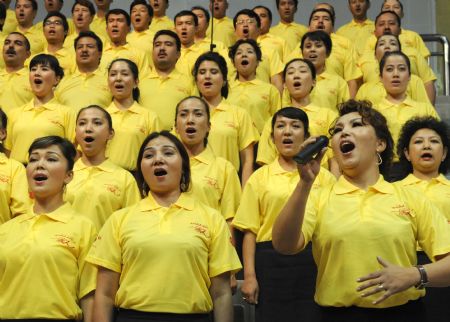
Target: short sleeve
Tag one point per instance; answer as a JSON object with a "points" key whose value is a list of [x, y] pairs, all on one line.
{"points": [[276, 66], [20, 201], [132, 195], [86, 271], [70, 123], [231, 194], [275, 100], [266, 148], [248, 133]]}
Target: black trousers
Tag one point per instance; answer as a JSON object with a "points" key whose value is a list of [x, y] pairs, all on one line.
{"points": [[286, 285], [124, 315]]}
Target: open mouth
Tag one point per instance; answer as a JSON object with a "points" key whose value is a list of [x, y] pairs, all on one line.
{"points": [[297, 84], [347, 147], [191, 130], [245, 31], [119, 86], [40, 177], [287, 141], [426, 156], [89, 139], [395, 82], [207, 84], [38, 81], [160, 172], [137, 19], [245, 62]]}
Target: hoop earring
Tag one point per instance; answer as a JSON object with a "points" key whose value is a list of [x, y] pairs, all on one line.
{"points": [[144, 189], [183, 184], [380, 160]]}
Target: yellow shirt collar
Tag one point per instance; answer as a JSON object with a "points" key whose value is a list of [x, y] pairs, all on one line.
{"points": [[343, 186], [366, 22], [412, 179], [62, 214], [175, 74], [20, 72], [275, 168], [3, 158], [149, 203], [50, 105], [109, 46], [112, 108], [106, 166], [206, 156]]}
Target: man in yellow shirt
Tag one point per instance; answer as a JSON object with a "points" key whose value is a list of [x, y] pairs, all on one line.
{"points": [[267, 39], [287, 29], [141, 14], [118, 24], [165, 86], [223, 26], [56, 5], [201, 38], [360, 28], [87, 85], [14, 80], [26, 11], [10, 23], [99, 22], [160, 20]]}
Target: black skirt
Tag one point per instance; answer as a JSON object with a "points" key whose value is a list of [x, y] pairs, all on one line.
{"points": [[286, 285], [124, 315]]}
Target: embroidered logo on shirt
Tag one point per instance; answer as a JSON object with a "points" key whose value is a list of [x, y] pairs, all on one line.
{"points": [[113, 188], [64, 240], [401, 210], [202, 229], [230, 124], [211, 182], [4, 179], [56, 122]]}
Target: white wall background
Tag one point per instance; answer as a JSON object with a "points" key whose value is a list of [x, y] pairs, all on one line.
{"points": [[419, 14]]}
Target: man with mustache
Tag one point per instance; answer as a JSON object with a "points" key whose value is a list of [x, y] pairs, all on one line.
{"points": [[165, 86], [14, 81], [87, 85]]}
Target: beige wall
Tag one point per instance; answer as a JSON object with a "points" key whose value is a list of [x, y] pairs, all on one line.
{"points": [[442, 17]]}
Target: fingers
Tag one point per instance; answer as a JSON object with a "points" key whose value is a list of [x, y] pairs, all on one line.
{"points": [[383, 262], [251, 298], [371, 276], [371, 283], [373, 290], [382, 298]]}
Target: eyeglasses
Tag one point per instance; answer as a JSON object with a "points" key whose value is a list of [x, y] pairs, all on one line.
{"points": [[249, 21], [55, 23]]}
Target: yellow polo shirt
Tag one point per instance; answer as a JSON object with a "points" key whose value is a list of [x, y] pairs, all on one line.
{"points": [[232, 130], [35, 36], [350, 227], [146, 241], [98, 25], [14, 199], [357, 33], [320, 120], [42, 265], [97, 191], [131, 127], [189, 56], [10, 22], [2, 41], [276, 43], [140, 58], [437, 190], [27, 123], [266, 193], [292, 33], [260, 99], [161, 95], [160, 23], [397, 114], [215, 182], [16, 90], [142, 40], [66, 58], [80, 90], [223, 31], [375, 91]]}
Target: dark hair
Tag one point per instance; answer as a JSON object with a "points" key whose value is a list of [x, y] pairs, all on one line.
{"points": [[85, 3], [144, 3], [134, 70], [89, 34], [306, 61], [295, 3], [25, 39], [183, 13], [397, 17], [34, 4], [367, 1], [396, 37], [204, 104], [221, 63], [3, 125], [249, 13], [399, 2], [185, 164], [294, 114], [332, 17], [170, 33], [50, 61], [59, 15], [374, 118], [67, 148], [205, 12], [101, 109], [410, 128], [2, 11], [269, 12], [330, 8], [233, 49], [394, 53], [318, 35], [118, 11]]}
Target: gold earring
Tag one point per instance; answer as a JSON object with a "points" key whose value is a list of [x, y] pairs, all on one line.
{"points": [[380, 160]]}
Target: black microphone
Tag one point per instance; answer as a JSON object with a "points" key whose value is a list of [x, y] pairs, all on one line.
{"points": [[306, 155]]}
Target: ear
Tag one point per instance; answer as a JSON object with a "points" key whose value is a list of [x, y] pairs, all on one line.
{"points": [[111, 134], [405, 151], [381, 145], [69, 177], [444, 155], [2, 134]]}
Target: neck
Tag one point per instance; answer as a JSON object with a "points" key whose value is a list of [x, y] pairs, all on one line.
{"points": [[164, 72], [39, 101], [364, 178], [396, 98], [166, 199], [48, 204], [25, 26], [188, 45], [101, 13], [124, 103], [118, 42], [213, 101], [78, 30], [159, 14], [53, 48], [87, 69], [287, 163], [247, 78], [200, 35], [360, 19], [93, 160], [195, 149], [320, 69], [287, 21], [12, 69], [427, 176], [300, 101]]}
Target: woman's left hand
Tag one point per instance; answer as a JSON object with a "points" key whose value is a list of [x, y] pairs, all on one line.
{"points": [[391, 279]]}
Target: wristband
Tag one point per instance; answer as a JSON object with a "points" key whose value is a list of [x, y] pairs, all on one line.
{"points": [[423, 277]]}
